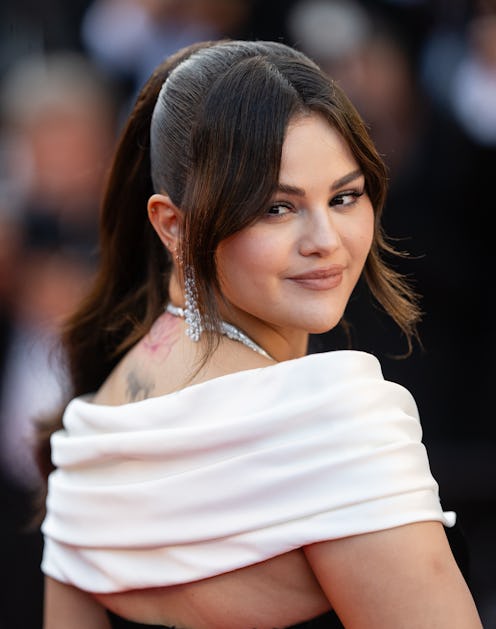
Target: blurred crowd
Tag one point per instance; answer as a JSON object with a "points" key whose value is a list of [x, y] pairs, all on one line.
{"points": [[422, 74]]}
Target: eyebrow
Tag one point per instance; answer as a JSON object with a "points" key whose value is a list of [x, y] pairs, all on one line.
{"points": [[299, 192]]}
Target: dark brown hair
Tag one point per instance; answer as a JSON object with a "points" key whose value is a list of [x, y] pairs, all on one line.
{"points": [[208, 129]]}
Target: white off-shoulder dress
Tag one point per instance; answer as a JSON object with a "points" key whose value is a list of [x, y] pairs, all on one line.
{"points": [[233, 471]]}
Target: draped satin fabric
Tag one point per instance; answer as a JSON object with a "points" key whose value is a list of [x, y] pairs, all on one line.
{"points": [[233, 471]]}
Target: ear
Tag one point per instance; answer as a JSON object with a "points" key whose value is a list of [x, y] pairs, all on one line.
{"points": [[166, 219]]}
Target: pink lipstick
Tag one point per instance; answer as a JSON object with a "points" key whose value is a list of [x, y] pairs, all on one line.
{"points": [[320, 279]]}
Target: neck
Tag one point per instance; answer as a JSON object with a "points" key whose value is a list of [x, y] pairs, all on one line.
{"points": [[282, 343], [227, 329]]}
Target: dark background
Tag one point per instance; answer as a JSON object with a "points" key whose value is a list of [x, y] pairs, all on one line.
{"points": [[440, 209]]}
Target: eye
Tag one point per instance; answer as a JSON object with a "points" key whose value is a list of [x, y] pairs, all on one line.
{"points": [[346, 198], [278, 209]]}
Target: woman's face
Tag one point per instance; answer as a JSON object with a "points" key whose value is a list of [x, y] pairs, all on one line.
{"points": [[293, 271]]}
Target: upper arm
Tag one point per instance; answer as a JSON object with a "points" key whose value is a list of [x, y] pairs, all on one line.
{"points": [[66, 606], [401, 577]]}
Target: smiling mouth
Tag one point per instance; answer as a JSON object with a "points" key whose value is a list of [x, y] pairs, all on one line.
{"points": [[320, 280]]}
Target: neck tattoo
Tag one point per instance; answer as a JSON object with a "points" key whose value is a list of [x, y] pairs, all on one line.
{"points": [[227, 329]]}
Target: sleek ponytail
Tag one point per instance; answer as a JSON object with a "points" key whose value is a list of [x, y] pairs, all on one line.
{"points": [[131, 285]]}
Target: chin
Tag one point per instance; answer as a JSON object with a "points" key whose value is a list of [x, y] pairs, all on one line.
{"points": [[322, 326], [321, 329], [318, 318]]}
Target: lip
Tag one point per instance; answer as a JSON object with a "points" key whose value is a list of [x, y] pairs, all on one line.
{"points": [[320, 279]]}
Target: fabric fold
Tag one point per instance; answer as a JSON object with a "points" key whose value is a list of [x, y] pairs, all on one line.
{"points": [[232, 471]]}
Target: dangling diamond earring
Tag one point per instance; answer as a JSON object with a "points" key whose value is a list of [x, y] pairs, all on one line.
{"points": [[192, 315]]}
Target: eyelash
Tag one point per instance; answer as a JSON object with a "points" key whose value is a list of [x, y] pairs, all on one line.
{"points": [[355, 194], [351, 193], [279, 205]]}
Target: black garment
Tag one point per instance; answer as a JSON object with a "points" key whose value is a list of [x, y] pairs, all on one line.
{"points": [[328, 620]]}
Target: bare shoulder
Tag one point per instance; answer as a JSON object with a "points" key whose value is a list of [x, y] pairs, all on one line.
{"points": [[405, 576]]}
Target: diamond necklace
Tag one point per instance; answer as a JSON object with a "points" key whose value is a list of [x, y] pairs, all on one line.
{"points": [[227, 329]]}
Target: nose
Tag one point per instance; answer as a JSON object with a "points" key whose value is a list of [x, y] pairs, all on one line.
{"points": [[320, 234]]}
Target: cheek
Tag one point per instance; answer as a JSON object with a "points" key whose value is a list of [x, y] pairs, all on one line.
{"points": [[359, 235], [238, 256], [365, 230], [252, 261], [367, 237]]}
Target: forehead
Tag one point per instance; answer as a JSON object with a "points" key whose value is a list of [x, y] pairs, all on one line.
{"points": [[311, 147]]}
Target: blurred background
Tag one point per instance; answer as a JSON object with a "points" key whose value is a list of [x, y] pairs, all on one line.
{"points": [[422, 74]]}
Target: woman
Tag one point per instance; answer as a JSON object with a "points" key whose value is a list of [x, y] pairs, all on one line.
{"points": [[209, 474]]}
